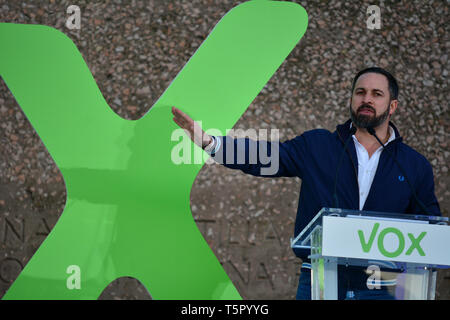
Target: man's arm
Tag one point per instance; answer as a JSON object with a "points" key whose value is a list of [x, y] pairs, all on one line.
{"points": [[258, 158]]}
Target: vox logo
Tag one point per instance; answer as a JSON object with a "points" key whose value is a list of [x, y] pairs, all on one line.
{"points": [[413, 241]]}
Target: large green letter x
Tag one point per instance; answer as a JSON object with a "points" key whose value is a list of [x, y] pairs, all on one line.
{"points": [[128, 211]]}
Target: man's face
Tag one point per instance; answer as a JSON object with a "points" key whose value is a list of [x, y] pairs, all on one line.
{"points": [[370, 105]]}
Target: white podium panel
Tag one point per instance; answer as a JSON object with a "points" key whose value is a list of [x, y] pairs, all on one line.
{"points": [[362, 238], [374, 255]]}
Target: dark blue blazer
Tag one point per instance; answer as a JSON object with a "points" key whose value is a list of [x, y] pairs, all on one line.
{"points": [[314, 156]]}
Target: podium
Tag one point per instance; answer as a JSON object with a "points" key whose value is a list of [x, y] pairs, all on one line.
{"points": [[374, 255]]}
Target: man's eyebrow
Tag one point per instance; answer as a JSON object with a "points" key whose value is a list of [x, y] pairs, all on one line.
{"points": [[378, 90], [361, 88]]}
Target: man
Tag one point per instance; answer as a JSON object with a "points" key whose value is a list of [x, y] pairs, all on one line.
{"points": [[395, 179]]}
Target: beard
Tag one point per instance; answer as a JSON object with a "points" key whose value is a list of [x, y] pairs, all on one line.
{"points": [[366, 121]]}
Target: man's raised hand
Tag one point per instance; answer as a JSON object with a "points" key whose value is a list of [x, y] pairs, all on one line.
{"points": [[192, 129]]}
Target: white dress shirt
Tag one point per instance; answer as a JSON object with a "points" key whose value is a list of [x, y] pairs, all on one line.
{"points": [[213, 146], [367, 167]]}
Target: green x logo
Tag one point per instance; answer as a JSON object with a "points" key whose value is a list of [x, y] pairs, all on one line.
{"points": [[127, 211]]}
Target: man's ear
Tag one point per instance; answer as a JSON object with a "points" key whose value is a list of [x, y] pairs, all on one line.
{"points": [[393, 105]]}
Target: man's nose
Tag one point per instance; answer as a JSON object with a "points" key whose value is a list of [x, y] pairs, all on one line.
{"points": [[367, 99]]}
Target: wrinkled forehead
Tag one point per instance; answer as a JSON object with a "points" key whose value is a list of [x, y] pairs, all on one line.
{"points": [[372, 81]]}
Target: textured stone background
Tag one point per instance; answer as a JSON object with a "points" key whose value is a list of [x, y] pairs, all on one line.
{"points": [[135, 48]]}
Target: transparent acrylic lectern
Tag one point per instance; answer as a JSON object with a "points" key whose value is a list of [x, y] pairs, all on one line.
{"points": [[374, 255]]}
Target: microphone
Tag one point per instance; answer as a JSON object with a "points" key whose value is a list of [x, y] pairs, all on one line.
{"points": [[371, 131], [335, 197]]}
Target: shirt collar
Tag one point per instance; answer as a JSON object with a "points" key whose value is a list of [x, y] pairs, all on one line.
{"points": [[391, 134]]}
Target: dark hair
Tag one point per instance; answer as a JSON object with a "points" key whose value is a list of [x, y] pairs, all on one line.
{"points": [[393, 86]]}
